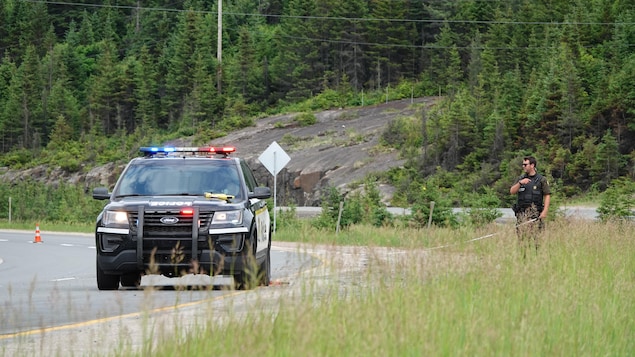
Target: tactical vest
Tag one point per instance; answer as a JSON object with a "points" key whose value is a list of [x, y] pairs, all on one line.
{"points": [[531, 193]]}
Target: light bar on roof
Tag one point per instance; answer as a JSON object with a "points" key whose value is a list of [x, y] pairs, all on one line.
{"points": [[149, 150], [218, 150]]}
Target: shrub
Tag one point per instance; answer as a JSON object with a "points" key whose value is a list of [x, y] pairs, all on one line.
{"points": [[306, 119], [363, 206], [617, 201], [442, 212], [482, 208]]}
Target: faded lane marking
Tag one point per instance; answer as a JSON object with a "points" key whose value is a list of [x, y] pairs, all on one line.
{"points": [[111, 318]]}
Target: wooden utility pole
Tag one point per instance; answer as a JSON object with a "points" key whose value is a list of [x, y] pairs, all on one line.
{"points": [[219, 55]]}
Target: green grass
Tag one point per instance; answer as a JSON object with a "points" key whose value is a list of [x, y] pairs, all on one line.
{"points": [[573, 298], [77, 227]]}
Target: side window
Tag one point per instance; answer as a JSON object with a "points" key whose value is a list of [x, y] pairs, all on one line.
{"points": [[249, 176]]}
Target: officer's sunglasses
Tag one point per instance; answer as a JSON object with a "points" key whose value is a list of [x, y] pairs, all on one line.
{"points": [[526, 165]]}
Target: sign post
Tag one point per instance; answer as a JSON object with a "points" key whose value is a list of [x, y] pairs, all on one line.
{"points": [[274, 159]]}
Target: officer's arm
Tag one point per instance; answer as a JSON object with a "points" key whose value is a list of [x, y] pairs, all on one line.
{"points": [[545, 210], [515, 187]]}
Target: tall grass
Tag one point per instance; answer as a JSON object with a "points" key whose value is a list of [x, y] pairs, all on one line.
{"points": [[573, 297]]}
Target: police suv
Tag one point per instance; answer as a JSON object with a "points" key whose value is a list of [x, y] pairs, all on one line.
{"points": [[184, 210]]}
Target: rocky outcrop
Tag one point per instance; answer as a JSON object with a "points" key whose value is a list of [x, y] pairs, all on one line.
{"points": [[339, 150], [105, 175]]}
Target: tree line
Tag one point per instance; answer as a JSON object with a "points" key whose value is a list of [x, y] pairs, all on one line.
{"points": [[555, 79]]}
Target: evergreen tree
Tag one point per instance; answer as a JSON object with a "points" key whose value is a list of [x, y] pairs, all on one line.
{"points": [[29, 86], [292, 70], [203, 102], [392, 41], [62, 104], [178, 59], [105, 91], [146, 96], [247, 75], [573, 98], [446, 63], [8, 105], [350, 55], [608, 162]]}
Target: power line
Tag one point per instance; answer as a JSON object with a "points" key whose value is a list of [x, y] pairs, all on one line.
{"points": [[393, 45], [337, 18], [430, 47]]}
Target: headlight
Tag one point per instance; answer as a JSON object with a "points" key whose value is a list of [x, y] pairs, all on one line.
{"points": [[115, 219], [228, 217]]}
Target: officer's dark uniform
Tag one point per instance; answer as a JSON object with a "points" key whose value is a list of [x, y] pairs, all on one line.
{"points": [[531, 198]]}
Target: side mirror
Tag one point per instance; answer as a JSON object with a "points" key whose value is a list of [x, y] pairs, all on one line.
{"points": [[101, 193], [261, 193]]}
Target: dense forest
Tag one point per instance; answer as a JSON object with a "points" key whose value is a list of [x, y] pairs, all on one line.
{"points": [[551, 78]]}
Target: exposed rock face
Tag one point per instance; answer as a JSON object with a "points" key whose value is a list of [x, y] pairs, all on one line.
{"points": [[339, 150], [105, 175]]}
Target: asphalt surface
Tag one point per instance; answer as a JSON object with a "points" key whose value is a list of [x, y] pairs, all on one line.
{"points": [[50, 284]]}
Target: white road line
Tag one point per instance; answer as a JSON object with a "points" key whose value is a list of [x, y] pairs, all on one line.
{"points": [[63, 279]]}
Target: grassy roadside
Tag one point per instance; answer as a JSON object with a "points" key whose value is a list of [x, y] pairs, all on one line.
{"points": [[472, 297], [573, 298], [49, 226]]}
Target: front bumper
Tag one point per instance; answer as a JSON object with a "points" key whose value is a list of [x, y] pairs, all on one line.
{"points": [[220, 252]]}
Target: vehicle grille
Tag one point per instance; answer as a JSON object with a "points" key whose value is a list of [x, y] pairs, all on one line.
{"points": [[170, 239]]}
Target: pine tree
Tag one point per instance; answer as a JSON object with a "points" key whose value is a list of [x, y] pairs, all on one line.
{"points": [[349, 55], [608, 162], [105, 91], [146, 96], [293, 70], [30, 105], [178, 62], [392, 51]]}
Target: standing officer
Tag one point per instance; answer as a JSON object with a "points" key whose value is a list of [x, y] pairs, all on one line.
{"points": [[532, 206]]}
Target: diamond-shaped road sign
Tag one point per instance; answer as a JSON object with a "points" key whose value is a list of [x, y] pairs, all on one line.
{"points": [[274, 158]]}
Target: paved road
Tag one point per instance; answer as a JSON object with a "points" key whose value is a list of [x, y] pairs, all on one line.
{"points": [[53, 283]]}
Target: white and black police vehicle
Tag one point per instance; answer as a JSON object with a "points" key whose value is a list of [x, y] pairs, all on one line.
{"points": [[184, 210]]}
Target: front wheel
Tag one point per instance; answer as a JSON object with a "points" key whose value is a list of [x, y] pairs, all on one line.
{"points": [[245, 279], [131, 280], [265, 268], [106, 281]]}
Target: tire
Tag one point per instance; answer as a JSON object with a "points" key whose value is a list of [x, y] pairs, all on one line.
{"points": [[265, 268], [246, 278], [131, 280], [106, 281], [240, 281]]}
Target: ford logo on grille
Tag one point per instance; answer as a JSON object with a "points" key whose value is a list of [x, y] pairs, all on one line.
{"points": [[169, 220]]}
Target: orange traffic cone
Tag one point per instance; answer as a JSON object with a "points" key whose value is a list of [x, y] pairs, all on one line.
{"points": [[38, 239]]}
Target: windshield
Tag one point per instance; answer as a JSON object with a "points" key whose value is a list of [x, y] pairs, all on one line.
{"points": [[178, 177]]}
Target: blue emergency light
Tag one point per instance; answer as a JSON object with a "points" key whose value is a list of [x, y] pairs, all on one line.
{"points": [[151, 150]]}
